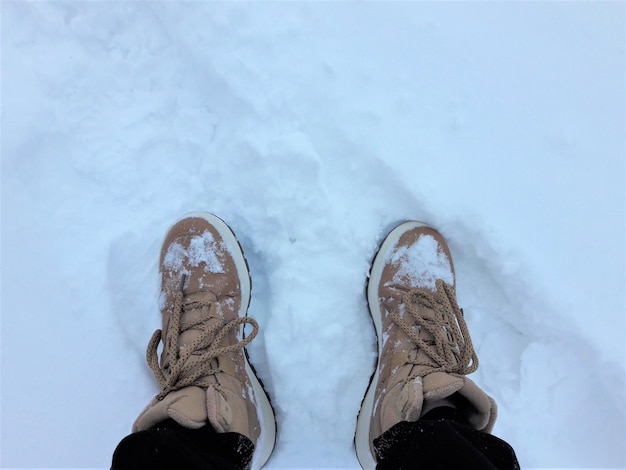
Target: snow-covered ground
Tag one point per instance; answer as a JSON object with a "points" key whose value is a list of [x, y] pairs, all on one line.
{"points": [[313, 128]]}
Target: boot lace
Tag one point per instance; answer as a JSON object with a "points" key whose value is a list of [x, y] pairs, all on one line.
{"points": [[447, 346], [194, 363]]}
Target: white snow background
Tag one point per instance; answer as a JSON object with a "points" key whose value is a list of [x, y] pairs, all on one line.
{"points": [[312, 129]]}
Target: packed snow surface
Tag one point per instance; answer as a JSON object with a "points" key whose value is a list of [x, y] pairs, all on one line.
{"points": [[202, 249], [313, 129], [421, 264]]}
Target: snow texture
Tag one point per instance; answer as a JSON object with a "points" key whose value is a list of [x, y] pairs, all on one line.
{"points": [[202, 249], [312, 129], [421, 264]]}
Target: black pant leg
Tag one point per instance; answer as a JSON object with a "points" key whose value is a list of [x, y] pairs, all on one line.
{"points": [[442, 441], [169, 446]]}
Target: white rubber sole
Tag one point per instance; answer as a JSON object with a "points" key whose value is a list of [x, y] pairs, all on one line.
{"points": [[265, 444], [362, 441]]}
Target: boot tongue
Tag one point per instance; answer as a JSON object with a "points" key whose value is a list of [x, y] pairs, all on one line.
{"points": [[196, 315], [478, 408], [186, 406], [196, 310], [219, 403], [411, 353], [409, 401], [439, 385], [192, 407]]}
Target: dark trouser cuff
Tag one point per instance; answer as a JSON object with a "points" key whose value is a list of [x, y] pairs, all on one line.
{"points": [[169, 445], [441, 440]]}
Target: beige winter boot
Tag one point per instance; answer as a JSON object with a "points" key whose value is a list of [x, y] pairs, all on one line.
{"points": [[424, 347], [204, 374]]}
